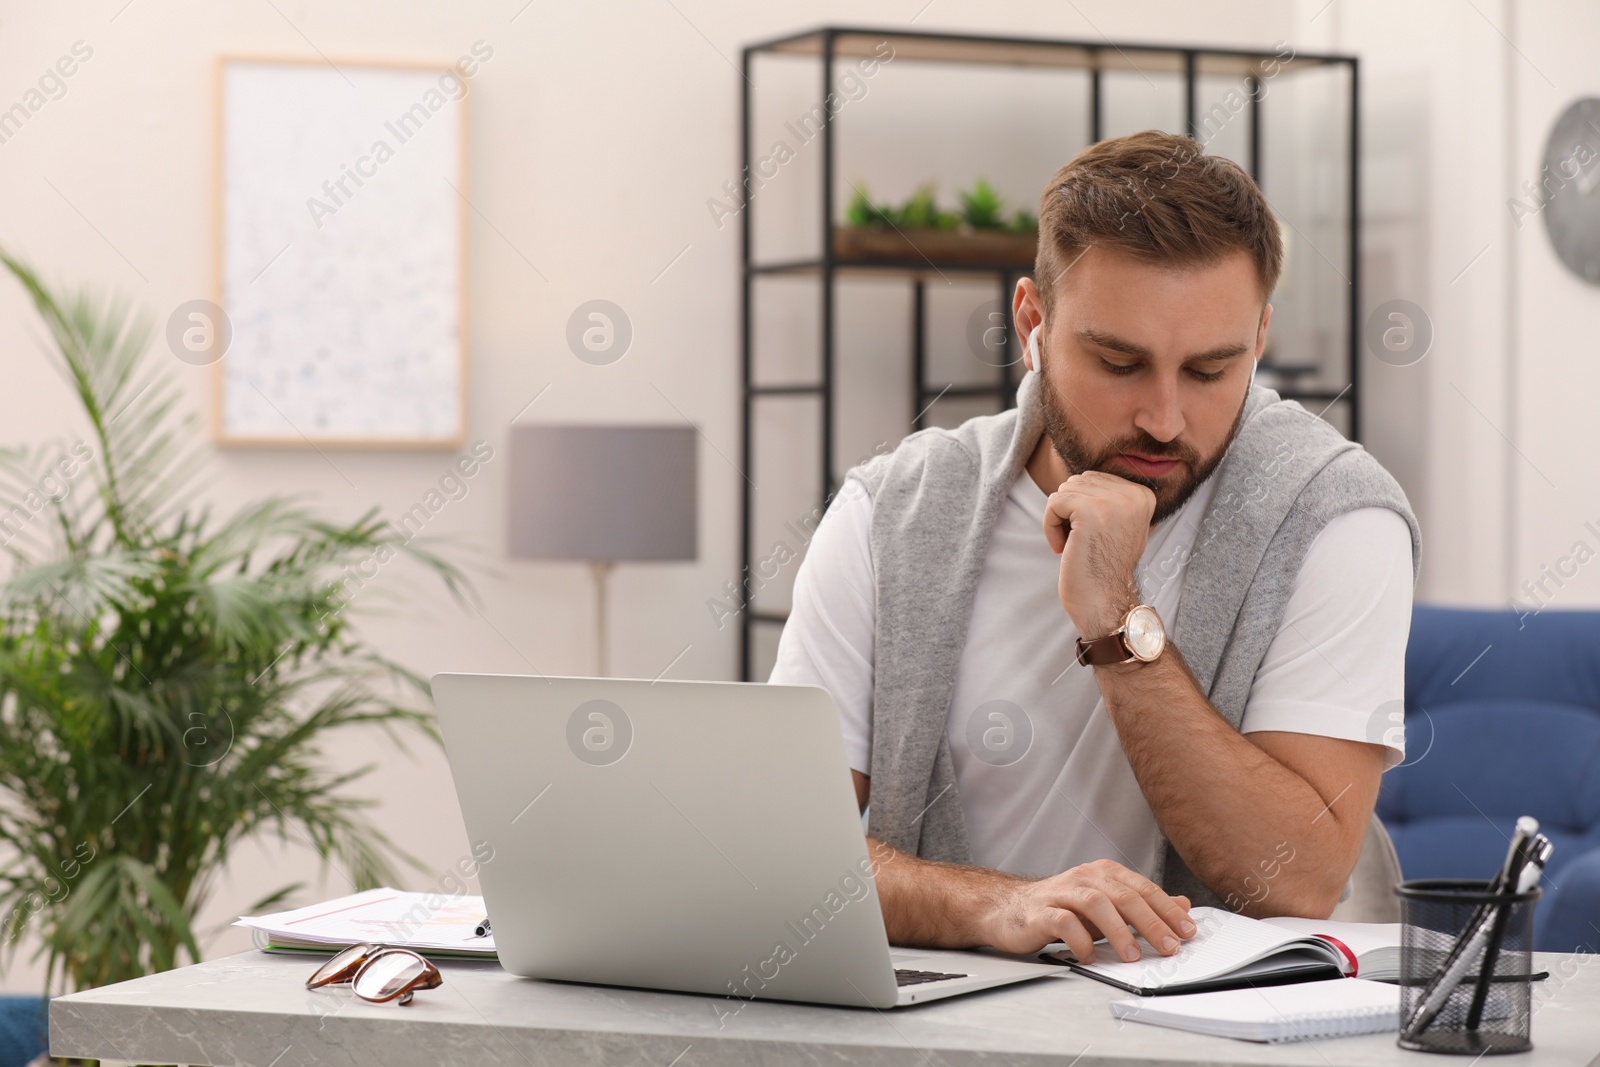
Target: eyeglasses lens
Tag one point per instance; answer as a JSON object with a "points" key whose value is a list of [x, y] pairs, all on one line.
{"points": [[386, 975], [340, 967]]}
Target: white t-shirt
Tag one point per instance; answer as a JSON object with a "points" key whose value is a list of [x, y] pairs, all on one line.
{"points": [[1043, 781]]}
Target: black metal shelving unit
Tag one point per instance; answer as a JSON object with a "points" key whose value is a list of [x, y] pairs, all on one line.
{"points": [[831, 43]]}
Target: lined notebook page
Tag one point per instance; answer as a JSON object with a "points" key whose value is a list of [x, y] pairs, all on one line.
{"points": [[1339, 1007], [1222, 943], [1362, 938]]}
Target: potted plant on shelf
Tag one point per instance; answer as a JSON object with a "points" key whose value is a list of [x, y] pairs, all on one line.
{"points": [[167, 677], [980, 234]]}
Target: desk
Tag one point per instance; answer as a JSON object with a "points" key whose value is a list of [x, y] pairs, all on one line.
{"points": [[253, 1009]]}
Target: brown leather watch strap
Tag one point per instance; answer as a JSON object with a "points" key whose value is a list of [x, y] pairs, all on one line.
{"points": [[1104, 651]]}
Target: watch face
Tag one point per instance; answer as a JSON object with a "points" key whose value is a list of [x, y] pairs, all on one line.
{"points": [[1145, 635]]}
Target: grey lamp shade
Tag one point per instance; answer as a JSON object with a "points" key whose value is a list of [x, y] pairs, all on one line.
{"points": [[602, 493]]}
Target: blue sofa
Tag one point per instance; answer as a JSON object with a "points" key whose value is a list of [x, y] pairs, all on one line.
{"points": [[24, 1029], [1502, 719]]}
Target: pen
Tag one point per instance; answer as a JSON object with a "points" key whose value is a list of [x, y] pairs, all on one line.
{"points": [[1537, 855], [1526, 828], [1473, 936], [482, 929]]}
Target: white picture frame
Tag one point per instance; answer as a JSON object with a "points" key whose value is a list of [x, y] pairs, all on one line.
{"points": [[340, 256]]}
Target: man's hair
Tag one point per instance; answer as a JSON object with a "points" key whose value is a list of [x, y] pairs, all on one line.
{"points": [[1158, 197]]}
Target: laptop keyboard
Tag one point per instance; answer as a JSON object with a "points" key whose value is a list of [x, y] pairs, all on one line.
{"points": [[906, 976]]}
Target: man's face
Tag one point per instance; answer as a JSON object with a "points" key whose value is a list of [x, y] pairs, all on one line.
{"points": [[1148, 361]]}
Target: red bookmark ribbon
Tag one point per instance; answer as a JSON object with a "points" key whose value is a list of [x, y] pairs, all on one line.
{"points": [[1355, 965]]}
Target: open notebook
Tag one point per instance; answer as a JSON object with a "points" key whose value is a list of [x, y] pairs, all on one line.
{"points": [[1230, 950], [1279, 1013]]}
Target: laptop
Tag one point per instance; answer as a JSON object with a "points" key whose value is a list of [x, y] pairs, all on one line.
{"points": [[701, 837]]}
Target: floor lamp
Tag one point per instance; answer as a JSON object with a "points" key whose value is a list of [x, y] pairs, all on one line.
{"points": [[602, 495]]}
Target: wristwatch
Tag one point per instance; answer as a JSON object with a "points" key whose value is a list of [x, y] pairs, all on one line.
{"points": [[1141, 637]]}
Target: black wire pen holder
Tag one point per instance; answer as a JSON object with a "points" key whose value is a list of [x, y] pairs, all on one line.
{"points": [[1479, 1017]]}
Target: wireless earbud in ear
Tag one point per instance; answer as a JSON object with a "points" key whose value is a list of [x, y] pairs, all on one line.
{"points": [[1033, 348]]}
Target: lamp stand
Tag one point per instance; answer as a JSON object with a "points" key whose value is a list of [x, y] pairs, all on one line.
{"points": [[601, 572]]}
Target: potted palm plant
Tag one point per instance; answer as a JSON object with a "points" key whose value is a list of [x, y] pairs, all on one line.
{"points": [[168, 676]]}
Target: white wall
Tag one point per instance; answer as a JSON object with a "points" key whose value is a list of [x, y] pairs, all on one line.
{"points": [[599, 133], [1553, 374], [1491, 434]]}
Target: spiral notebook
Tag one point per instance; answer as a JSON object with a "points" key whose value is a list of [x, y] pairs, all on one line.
{"points": [[1340, 1007]]}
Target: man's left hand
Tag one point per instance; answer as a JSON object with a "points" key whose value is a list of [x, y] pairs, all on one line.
{"points": [[1109, 520]]}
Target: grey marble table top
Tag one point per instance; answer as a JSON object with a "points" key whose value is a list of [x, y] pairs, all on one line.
{"points": [[253, 1009]]}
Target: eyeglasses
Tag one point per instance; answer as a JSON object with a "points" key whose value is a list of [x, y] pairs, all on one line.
{"points": [[378, 973]]}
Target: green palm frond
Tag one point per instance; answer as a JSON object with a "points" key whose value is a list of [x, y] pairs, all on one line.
{"points": [[167, 677], [99, 349]]}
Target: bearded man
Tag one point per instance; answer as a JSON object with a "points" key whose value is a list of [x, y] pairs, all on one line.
{"points": [[1118, 651]]}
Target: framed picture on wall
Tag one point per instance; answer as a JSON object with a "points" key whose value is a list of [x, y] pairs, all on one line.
{"points": [[340, 253]]}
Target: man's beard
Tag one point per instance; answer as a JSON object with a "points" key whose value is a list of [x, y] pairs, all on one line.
{"points": [[1172, 491]]}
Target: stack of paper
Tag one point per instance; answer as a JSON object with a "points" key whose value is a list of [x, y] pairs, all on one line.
{"points": [[433, 924]]}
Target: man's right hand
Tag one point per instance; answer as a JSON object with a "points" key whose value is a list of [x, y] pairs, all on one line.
{"points": [[943, 905], [1079, 905]]}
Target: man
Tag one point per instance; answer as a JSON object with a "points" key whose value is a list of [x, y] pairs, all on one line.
{"points": [[1118, 651]]}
